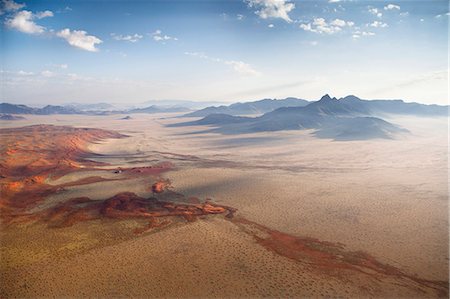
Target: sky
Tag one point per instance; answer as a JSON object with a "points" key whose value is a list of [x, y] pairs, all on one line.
{"points": [[57, 52]]}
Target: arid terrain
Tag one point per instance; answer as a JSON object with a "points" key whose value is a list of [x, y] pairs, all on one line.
{"points": [[100, 206]]}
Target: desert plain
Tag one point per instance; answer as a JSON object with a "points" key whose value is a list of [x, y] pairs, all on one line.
{"points": [[273, 214]]}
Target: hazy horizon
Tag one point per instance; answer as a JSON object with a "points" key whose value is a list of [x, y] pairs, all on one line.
{"points": [[89, 52], [186, 102]]}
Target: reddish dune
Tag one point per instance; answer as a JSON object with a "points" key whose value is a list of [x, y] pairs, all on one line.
{"points": [[31, 154]]}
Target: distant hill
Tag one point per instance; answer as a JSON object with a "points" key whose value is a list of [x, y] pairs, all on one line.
{"points": [[71, 109], [348, 118], [396, 107], [220, 119], [91, 107], [17, 109], [158, 109], [49, 109], [193, 105], [257, 107], [10, 117]]}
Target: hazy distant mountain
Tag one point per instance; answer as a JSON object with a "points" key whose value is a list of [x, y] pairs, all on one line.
{"points": [[22, 109], [91, 107], [257, 107], [17, 109], [158, 109], [345, 119], [293, 114], [10, 117], [180, 103], [396, 107], [220, 119], [51, 109]]}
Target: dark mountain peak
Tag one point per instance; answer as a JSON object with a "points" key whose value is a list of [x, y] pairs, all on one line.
{"points": [[326, 98]]}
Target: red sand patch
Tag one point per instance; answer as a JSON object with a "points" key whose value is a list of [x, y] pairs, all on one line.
{"points": [[330, 257], [124, 205], [31, 154]]}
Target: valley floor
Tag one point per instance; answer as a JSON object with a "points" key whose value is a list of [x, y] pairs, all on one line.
{"points": [[314, 217]]}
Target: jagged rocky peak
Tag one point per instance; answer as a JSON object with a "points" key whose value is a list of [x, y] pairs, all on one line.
{"points": [[327, 98]]}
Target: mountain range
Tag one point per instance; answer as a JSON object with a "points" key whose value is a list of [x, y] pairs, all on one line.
{"points": [[167, 103], [158, 109], [349, 118], [49, 109], [92, 109], [247, 108]]}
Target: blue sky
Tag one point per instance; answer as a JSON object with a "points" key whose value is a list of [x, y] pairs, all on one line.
{"points": [[134, 51]]}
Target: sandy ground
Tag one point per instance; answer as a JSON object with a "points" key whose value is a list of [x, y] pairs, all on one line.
{"points": [[388, 198]]}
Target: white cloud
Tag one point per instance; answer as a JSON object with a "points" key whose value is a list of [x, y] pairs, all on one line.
{"points": [[266, 9], [446, 14], [9, 6], [242, 68], [342, 23], [441, 15], [358, 34], [44, 14], [319, 25], [240, 17], [271, 25], [80, 39], [391, 7], [62, 66], [378, 24], [47, 73], [404, 14], [23, 21], [65, 10], [129, 38], [24, 73], [238, 66], [333, 1], [158, 36], [338, 22], [375, 11]]}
